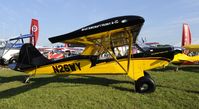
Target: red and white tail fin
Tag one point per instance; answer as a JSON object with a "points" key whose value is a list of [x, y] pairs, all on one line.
{"points": [[186, 36], [34, 30]]}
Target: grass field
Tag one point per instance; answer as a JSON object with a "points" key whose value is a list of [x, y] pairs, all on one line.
{"points": [[175, 90]]}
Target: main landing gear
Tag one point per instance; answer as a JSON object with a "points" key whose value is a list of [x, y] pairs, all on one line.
{"points": [[145, 84]]}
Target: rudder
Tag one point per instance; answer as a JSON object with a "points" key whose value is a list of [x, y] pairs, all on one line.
{"points": [[186, 36], [30, 57], [34, 30]]}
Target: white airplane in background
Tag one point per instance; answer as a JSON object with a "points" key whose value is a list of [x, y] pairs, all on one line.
{"points": [[10, 48]]}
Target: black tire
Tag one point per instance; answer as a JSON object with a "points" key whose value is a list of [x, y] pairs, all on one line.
{"points": [[146, 74], [12, 61], [2, 61], [145, 85]]}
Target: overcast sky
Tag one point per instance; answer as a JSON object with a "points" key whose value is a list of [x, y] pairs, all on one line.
{"points": [[163, 19]]}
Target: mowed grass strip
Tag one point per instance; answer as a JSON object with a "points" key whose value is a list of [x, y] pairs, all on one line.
{"points": [[175, 90]]}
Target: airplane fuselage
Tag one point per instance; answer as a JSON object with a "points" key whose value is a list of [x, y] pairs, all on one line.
{"points": [[85, 67]]}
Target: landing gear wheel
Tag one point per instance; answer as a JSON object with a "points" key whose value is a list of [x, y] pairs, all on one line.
{"points": [[145, 85], [146, 74]]}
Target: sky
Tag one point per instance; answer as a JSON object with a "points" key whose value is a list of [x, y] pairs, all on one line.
{"points": [[163, 18]]}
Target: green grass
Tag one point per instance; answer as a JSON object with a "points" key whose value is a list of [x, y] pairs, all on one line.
{"points": [[175, 90]]}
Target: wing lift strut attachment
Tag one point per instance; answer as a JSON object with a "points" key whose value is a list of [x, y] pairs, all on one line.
{"points": [[143, 84], [126, 70]]}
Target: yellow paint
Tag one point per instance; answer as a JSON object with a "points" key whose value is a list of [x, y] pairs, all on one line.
{"points": [[89, 50], [180, 58], [192, 47], [138, 65], [133, 67]]}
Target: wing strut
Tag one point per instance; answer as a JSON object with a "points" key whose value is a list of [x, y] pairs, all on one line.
{"points": [[112, 55], [130, 50]]}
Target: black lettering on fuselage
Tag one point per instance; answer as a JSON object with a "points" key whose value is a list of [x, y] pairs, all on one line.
{"points": [[61, 68], [66, 67], [78, 65], [55, 68], [72, 67]]}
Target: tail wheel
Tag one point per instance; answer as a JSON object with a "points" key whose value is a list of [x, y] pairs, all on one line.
{"points": [[145, 85], [26, 80]]}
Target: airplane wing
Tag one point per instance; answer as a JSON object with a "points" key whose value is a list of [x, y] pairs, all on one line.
{"points": [[21, 37], [192, 47], [118, 26], [180, 57]]}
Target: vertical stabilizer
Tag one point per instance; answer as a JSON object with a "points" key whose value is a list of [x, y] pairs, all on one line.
{"points": [[34, 30], [186, 35]]}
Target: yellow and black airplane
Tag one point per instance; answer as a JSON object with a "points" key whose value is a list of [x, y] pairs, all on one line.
{"points": [[114, 37], [184, 59], [190, 54]]}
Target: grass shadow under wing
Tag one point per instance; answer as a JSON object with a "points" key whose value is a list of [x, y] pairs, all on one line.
{"points": [[38, 82]]}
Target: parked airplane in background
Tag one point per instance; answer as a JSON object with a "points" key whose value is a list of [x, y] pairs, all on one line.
{"points": [[187, 57], [192, 47], [61, 51], [9, 48]]}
